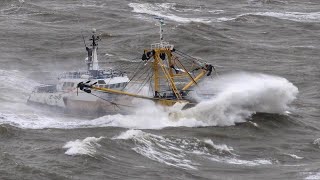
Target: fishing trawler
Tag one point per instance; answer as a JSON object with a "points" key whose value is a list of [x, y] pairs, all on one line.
{"points": [[65, 95], [168, 73]]}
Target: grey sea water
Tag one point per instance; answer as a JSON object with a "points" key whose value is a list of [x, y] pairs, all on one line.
{"points": [[263, 122]]}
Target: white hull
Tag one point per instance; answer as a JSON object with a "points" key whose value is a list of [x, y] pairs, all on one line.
{"points": [[82, 102]]}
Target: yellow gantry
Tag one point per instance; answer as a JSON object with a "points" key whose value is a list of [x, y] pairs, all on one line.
{"points": [[168, 73], [194, 81]]}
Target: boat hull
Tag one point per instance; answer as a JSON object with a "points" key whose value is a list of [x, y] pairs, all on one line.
{"points": [[82, 103]]}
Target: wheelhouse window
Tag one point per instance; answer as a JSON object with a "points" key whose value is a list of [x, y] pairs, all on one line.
{"points": [[101, 82]]}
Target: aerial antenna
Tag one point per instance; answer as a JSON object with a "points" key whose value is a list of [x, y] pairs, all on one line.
{"points": [[161, 22]]}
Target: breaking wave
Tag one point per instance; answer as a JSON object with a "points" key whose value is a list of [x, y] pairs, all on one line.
{"points": [[163, 10], [183, 153], [86, 146], [157, 148], [317, 142], [292, 16], [313, 176], [238, 96], [293, 156]]}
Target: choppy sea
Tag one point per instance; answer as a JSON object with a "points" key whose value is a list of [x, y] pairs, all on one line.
{"points": [[262, 122]]}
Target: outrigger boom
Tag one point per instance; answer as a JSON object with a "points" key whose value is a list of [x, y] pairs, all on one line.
{"points": [[87, 88], [167, 68]]}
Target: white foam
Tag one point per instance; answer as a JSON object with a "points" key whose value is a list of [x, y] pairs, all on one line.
{"points": [[219, 147], [130, 134], [149, 116], [317, 142], [107, 54], [219, 11], [86, 146], [254, 124], [176, 151], [239, 95], [315, 176], [223, 19], [293, 16], [236, 161], [163, 10], [157, 148], [294, 156]]}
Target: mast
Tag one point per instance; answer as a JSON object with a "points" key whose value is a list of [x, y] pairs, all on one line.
{"points": [[92, 61], [95, 62], [162, 52], [161, 23]]}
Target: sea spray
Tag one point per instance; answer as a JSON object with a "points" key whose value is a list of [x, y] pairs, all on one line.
{"points": [[19, 85], [236, 97], [239, 95]]}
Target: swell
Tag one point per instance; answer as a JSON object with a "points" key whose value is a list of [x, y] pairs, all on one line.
{"points": [[182, 153], [7, 131]]}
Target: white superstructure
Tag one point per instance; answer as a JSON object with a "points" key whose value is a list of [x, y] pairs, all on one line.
{"points": [[65, 93]]}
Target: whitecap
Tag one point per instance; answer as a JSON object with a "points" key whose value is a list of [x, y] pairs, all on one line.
{"points": [[294, 156], [86, 146], [317, 142], [315, 176], [157, 148], [237, 161], [176, 151], [163, 10], [220, 147], [293, 16]]}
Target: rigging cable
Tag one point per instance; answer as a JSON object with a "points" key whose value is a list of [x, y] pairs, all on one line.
{"points": [[112, 103], [147, 79], [142, 73], [147, 72]]}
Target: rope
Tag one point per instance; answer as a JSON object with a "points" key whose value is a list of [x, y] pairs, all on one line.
{"points": [[188, 56], [143, 73], [113, 103], [148, 79], [136, 72]]}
